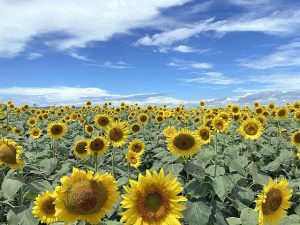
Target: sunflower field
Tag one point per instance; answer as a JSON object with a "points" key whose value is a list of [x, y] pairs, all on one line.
{"points": [[150, 165]]}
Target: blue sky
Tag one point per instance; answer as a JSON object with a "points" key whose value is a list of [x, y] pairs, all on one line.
{"points": [[160, 51]]}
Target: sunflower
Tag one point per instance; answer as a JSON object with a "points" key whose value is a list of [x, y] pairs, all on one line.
{"points": [[88, 129], [159, 118], [251, 129], [10, 154], [273, 202], [44, 207], [135, 128], [57, 130], [102, 121], [133, 159], [202, 103], [153, 199], [35, 132], [169, 131], [204, 133], [80, 148], [98, 145], [136, 146], [117, 133], [297, 115], [184, 143], [295, 138], [32, 121], [143, 118], [219, 124], [85, 196], [282, 113]]}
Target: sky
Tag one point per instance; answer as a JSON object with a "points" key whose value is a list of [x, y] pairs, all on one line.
{"points": [[149, 52]]}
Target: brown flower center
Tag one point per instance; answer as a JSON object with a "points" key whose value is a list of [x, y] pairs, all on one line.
{"points": [[97, 144], [273, 201], [204, 134], [135, 128], [143, 118], [8, 154], [81, 147], [90, 129], [251, 129], [133, 160], [86, 197], [153, 205], [103, 121], [137, 147], [281, 112], [48, 206], [297, 138], [116, 134], [219, 125], [184, 141], [56, 129]]}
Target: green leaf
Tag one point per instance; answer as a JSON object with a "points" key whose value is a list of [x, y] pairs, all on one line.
{"points": [[249, 217], [233, 221], [235, 164], [222, 186], [196, 171], [197, 189], [291, 220], [49, 165], [197, 213], [10, 187]]}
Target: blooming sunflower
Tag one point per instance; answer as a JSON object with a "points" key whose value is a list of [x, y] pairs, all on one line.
{"points": [[159, 118], [102, 121], [98, 145], [297, 115], [204, 134], [153, 200], [57, 130], [169, 131], [32, 121], [251, 129], [136, 146], [85, 196], [88, 129], [117, 133], [10, 154], [133, 159], [184, 143], [295, 138], [35, 132], [44, 207], [219, 124], [143, 118], [282, 113], [80, 148], [135, 128], [273, 202]]}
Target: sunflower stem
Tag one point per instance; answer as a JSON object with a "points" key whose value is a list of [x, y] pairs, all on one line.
{"points": [[128, 171], [216, 154], [113, 162], [36, 147], [96, 162]]}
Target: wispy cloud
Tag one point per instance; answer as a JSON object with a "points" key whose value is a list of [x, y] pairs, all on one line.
{"points": [[284, 56], [281, 23], [184, 64], [34, 55], [81, 22], [214, 78]]}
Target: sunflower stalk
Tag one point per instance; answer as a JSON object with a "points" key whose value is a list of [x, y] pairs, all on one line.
{"points": [[216, 154], [96, 162], [113, 162]]}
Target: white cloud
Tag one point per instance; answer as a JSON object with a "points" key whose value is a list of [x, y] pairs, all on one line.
{"points": [[34, 55], [284, 22], [212, 78], [284, 56], [183, 64], [81, 22], [63, 95]]}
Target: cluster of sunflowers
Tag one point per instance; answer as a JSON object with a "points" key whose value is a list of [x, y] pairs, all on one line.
{"points": [[153, 198]]}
